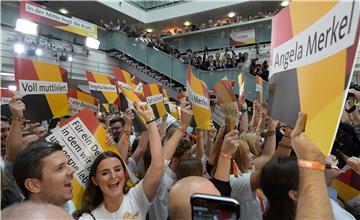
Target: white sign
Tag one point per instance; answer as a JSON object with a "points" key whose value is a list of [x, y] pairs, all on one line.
{"points": [[31, 87], [102, 87], [333, 32], [243, 37]]}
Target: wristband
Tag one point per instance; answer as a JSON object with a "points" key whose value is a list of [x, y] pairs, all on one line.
{"points": [[269, 133], [312, 165], [244, 110], [152, 120], [350, 110], [227, 156], [17, 118]]}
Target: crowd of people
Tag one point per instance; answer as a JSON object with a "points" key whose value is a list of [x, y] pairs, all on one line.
{"points": [[272, 170], [218, 23], [205, 62]]}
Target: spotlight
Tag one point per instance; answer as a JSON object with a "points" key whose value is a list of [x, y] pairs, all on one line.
{"points": [[187, 23], [38, 52], [231, 14], [92, 43], [12, 88], [26, 27], [149, 30], [19, 48], [70, 58], [64, 11], [284, 3]]}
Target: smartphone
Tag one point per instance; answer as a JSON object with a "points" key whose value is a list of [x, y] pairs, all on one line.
{"points": [[205, 207]]}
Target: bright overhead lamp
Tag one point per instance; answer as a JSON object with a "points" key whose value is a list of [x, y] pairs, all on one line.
{"points": [[284, 3], [187, 23], [70, 58], [26, 27], [231, 14], [64, 11], [92, 43], [6, 74], [149, 30], [38, 52], [19, 48], [12, 87]]}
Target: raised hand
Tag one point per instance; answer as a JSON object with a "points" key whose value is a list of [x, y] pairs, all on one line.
{"points": [[231, 142], [128, 116], [145, 111], [185, 116], [17, 107], [304, 148]]}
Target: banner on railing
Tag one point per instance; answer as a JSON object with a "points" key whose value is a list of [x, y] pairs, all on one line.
{"points": [[312, 60], [242, 37], [38, 13]]}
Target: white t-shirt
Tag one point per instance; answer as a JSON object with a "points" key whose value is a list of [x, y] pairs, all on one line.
{"points": [[159, 209], [340, 213], [250, 207], [134, 201]]}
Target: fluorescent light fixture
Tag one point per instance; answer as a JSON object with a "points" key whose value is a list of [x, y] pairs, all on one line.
{"points": [[149, 30], [187, 23], [6, 74], [12, 88], [284, 3], [64, 11], [231, 14], [19, 48], [70, 58], [92, 43], [26, 27], [38, 52]]}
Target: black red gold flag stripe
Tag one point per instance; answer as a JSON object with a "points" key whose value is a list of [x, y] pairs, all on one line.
{"points": [[102, 87]]}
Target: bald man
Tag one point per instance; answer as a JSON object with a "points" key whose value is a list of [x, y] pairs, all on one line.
{"points": [[181, 192], [34, 211]]}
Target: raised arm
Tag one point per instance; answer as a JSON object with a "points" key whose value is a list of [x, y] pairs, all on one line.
{"points": [[244, 118], [154, 173], [312, 186], [142, 147], [228, 148], [256, 116], [123, 144], [269, 145], [171, 145], [163, 126], [14, 141]]}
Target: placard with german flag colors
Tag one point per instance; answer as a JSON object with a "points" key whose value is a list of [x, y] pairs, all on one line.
{"points": [[44, 88], [241, 83], [311, 62], [102, 87], [173, 110], [225, 95], [80, 100], [123, 78], [199, 99], [155, 99], [166, 99], [5, 96], [83, 138]]}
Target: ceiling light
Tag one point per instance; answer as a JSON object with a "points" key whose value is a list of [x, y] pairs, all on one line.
{"points": [[231, 14], [26, 27], [38, 52], [12, 88], [149, 30], [70, 59], [19, 48], [6, 74], [284, 3], [64, 11], [92, 43], [187, 23]]}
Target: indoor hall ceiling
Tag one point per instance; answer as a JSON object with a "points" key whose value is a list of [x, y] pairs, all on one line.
{"points": [[93, 11]]}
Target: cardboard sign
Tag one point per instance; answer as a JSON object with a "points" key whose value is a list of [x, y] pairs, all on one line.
{"points": [[44, 88], [78, 101], [102, 87], [83, 138], [312, 60]]}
